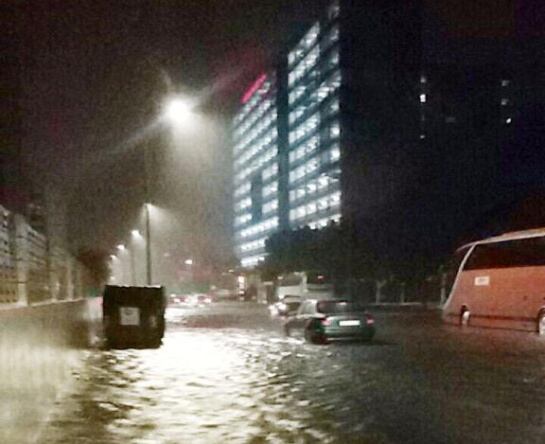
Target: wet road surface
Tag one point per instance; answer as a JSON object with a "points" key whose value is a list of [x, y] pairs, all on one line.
{"points": [[226, 374]]}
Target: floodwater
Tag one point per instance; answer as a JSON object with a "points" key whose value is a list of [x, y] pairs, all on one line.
{"points": [[225, 373]]}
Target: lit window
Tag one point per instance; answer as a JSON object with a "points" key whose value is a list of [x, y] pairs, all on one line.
{"points": [[508, 120], [335, 130], [505, 82], [504, 101], [335, 153], [422, 98]]}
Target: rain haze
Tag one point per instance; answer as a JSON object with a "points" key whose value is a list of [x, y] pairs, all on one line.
{"points": [[93, 77], [272, 221]]}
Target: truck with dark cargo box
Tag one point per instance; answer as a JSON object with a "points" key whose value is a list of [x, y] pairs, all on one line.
{"points": [[133, 316]]}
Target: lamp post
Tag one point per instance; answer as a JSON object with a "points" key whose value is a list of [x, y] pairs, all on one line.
{"points": [[176, 112]]}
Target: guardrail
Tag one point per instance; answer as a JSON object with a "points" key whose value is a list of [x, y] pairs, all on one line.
{"points": [[31, 270]]}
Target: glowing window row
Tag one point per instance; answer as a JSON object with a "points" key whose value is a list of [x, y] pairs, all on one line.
{"points": [[247, 108], [306, 128], [333, 154], [326, 90], [268, 139], [324, 222], [252, 260], [308, 168], [308, 147], [270, 171], [254, 245], [260, 161], [257, 113], [266, 122], [271, 206], [243, 204], [243, 189], [311, 187], [270, 189], [242, 219], [308, 40], [326, 203], [265, 113], [332, 37], [300, 90], [308, 63], [261, 227]]}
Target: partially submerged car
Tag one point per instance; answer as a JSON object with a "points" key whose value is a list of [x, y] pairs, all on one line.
{"points": [[321, 321]]}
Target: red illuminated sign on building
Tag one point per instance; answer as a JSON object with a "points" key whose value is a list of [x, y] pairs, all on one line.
{"points": [[253, 88]]}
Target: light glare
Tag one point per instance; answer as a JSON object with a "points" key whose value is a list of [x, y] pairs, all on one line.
{"points": [[177, 111]]}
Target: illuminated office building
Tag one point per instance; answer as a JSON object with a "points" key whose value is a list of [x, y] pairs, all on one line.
{"points": [[286, 143], [255, 171], [314, 151]]}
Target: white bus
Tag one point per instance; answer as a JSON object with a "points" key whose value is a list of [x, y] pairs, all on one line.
{"points": [[305, 284], [500, 282]]}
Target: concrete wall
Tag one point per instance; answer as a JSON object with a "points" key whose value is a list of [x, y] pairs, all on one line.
{"points": [[39, 348]]}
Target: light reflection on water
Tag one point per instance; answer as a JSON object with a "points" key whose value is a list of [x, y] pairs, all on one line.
{"points": [[211, 382]]}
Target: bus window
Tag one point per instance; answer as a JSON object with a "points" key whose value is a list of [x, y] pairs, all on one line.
{"points": [[514, 253]]}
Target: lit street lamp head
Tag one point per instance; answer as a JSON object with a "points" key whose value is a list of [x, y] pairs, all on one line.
{"points": [[177, 110]]}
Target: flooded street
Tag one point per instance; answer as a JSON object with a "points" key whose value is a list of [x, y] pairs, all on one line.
{"points": [[225, 373]]}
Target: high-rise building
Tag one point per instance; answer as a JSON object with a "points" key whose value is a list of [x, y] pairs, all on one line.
{"points": [[397, 117], [302, 134], [256, 170], [301, 130]]}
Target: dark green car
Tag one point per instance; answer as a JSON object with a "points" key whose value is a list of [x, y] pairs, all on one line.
{"points": [[321, 321]]}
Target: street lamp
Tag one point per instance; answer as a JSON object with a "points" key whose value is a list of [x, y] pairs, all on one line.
{"points": [[176, 111]]}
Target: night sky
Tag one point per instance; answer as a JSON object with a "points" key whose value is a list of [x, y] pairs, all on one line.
{"points": [[92, 75]]}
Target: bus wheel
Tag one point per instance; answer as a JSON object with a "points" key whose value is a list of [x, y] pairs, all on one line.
{"points": [[541, 323], [464, 317]]}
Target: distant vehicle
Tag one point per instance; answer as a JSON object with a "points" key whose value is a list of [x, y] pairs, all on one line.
{"points": [[500, 282], [288, 306], [198, 299], [321, 321], [305, 284], [203, 299], [175, 299], [134, 316]]}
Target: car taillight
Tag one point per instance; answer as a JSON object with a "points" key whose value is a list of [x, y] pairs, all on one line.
{"points": [[326, 321], [369, 321]]}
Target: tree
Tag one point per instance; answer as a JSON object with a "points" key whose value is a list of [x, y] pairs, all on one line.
{"points": [[96, 262]]}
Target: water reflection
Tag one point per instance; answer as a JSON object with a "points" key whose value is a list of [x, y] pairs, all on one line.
{"points": [[214, 382]]}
